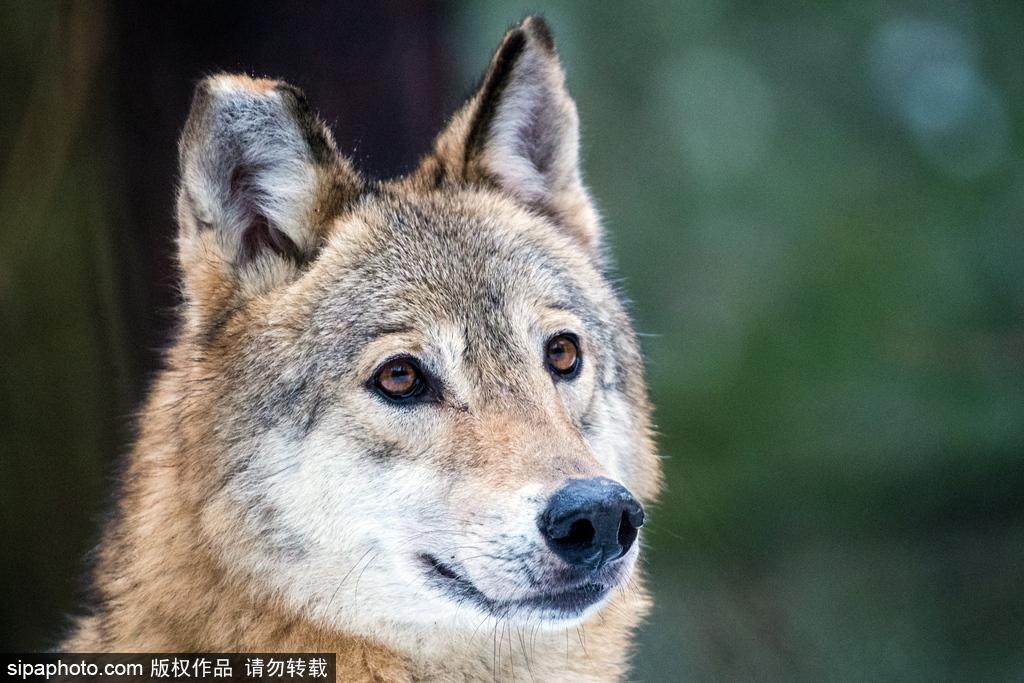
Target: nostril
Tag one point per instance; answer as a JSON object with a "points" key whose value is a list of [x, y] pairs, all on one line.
{"points": [[581, 533], [636, 515], [627, 533]]}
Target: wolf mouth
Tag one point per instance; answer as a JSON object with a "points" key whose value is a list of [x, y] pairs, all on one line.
{"points": [[566, 603]]}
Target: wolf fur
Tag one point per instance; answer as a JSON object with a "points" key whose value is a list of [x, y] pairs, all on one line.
{"points": [[273, 502]]}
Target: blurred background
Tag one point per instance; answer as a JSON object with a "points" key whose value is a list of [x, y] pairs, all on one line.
{"points": [[817, 208]]}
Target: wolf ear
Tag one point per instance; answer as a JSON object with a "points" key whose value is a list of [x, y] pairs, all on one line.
{"points": [[520, 132], [260, 178]]}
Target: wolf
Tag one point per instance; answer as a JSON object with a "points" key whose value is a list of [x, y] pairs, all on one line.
{"points": [[403, 421]]}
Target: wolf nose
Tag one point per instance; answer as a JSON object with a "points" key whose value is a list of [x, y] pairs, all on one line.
{"points": [[591, 522]]}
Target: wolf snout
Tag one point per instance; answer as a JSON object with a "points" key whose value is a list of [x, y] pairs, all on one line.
{"points": [[589, 523]]}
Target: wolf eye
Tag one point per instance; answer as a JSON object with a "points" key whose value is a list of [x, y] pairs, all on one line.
{"points": [[399, 379], [563, 355]]}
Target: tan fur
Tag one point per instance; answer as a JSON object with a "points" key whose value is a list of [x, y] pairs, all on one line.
{"points": [[197, 554]]}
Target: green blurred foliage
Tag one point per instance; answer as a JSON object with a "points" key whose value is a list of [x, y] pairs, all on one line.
{"points": [[818, 210]]}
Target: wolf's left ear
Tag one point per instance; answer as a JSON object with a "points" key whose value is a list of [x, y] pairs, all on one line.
{"points": [[520, 132]]}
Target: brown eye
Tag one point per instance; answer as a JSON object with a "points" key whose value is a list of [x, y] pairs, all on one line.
{"points": [[399, 379], [563, 355]]}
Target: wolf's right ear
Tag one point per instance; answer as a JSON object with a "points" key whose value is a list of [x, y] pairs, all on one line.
{"points": [[260, 180]]}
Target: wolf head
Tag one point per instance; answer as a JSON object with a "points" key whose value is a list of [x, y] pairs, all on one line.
{"points": [[410, 403]]}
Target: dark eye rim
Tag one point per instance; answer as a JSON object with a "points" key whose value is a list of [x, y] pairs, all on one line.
{"points": [[574, 371], [423, 390]]}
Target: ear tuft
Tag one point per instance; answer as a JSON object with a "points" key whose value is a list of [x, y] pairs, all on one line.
{"points": [[537, 27]]}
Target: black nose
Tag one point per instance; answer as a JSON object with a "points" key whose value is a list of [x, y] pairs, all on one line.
{"points": [[591, 522]]}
